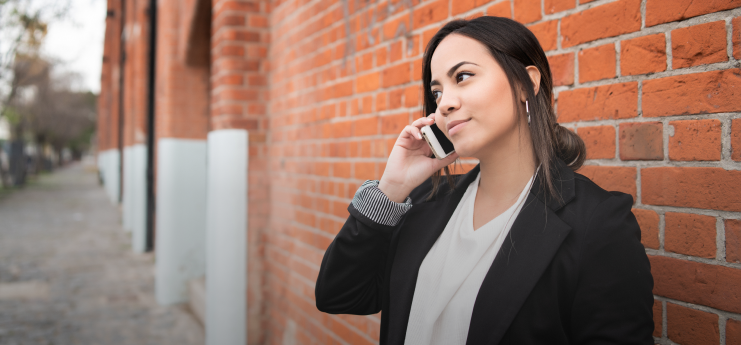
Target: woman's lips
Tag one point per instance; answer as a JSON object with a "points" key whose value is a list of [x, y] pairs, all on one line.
{"points": [[456, 126]]}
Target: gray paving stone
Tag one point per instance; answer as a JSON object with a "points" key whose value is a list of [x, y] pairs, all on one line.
{"points": [[67, 273]]}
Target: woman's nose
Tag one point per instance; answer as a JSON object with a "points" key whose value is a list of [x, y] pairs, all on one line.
{"points": [[449, 103]]}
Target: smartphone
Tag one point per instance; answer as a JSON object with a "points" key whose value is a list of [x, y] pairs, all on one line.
{"points": [[439, 143]]}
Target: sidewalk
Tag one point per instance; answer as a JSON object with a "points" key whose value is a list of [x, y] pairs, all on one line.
{"points": [[67, 273]]}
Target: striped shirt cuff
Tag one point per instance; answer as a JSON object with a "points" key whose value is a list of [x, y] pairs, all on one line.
{"points": [[372, 203]]}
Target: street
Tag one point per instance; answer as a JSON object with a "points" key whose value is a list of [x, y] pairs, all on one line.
{"points": [[68, 274]]}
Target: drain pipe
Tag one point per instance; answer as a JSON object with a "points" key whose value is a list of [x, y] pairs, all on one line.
{"points": [[150, 124]]}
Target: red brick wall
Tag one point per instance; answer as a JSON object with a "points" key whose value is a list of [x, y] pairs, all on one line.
{"points": [[240, 38], [108, 103], [652, 86], [135, 72]]}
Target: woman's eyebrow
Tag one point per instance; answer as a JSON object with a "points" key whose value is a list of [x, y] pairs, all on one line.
{"points": [[451, 71]]}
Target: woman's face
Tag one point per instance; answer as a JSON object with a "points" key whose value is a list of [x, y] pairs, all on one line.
{"points": [[475, 107]]}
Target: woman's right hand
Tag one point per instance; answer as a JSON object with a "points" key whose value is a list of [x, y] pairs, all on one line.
{"points": [[409, 163]]}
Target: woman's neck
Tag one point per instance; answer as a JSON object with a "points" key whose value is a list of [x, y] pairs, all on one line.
{"points": [[506, 169]]}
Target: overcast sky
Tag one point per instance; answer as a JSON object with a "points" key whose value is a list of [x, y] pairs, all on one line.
{"points": [[77, 41]]}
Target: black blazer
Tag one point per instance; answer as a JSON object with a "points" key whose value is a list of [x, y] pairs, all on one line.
{"points": [[572, 270]]}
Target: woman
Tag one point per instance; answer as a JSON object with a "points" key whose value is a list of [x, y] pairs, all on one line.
{"points": [[520, 250]]}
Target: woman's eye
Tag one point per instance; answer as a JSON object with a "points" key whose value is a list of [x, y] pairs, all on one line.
{"points": [[462, 76], [436, 94]]}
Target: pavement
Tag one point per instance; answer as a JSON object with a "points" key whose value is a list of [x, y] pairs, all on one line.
{"points": [[68, 274]]}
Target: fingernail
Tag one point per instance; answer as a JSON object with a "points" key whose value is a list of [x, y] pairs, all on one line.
{"points": [[419, 136]]}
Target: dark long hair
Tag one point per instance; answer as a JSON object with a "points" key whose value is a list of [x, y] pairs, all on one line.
{"points": [[514, 47]]}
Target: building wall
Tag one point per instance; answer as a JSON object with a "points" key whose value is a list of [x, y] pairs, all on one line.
{"points": [[239, 97], [652, 86]]}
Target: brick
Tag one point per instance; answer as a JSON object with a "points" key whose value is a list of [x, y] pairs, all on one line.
{"points": [[733, 240], [562, 69], [393, 124], [697, 93], [695, 140], [431, 13], [643, 55], [527, 11], [698, 45], [658, 312], [733, 331], [621, 179], [608, 20], [641, 141], [690, 234], [365, 171], [546, 33], [691, 326], [600, 141], [693, 282], [553, 6], [396, 75], [664, 11], [460, 6], [367, 126], [367, 82], [698, 187], [597, 63], [501, 9], [736, 39], [614, 101], [736, 139], [649, 222]]}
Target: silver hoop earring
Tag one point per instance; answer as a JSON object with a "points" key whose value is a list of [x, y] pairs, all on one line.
{"points": [[527, 109]]}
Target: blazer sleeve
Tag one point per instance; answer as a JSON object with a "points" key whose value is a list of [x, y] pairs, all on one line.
{"points": [[614, 300], [352, 273]]}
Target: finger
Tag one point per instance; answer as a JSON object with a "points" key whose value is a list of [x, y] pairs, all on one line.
{"points": [[447, 160], [412, 131], [423, 121]]}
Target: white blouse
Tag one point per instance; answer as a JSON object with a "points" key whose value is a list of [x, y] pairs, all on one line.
{"points": [[452, 272]]}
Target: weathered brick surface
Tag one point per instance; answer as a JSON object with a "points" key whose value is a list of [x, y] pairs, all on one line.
{"points": [[695, 140], [664, 11], [562, 69], [658, 312], [649, 222], [733, 331], [600, 141], [614, 101], [643, 55], [708, 188], [641, 141], [699, 44], [736, 139], [547, 34], [553, 6], [526, 11], [733, 240], [736, 38], [500, 9], [621, 179], [690, 326], [690, 234], [601, 21], [597, 63], [698, 283], [697, 93]]}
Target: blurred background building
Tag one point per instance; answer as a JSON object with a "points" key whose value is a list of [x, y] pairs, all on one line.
{"points": [[235, 133]]}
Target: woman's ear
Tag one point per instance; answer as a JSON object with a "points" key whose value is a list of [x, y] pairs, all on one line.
{"points": [[534, 74]]}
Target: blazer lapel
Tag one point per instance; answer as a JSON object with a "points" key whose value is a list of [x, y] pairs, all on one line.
{"points": [[422, 226], [533, 240]]}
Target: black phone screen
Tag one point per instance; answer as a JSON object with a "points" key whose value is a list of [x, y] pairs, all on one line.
{"points": [[442, 139]]}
